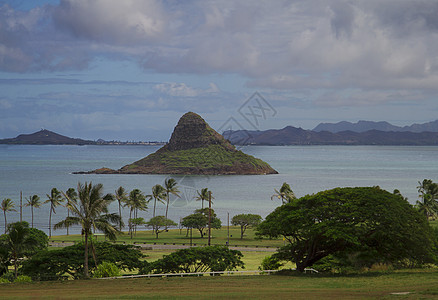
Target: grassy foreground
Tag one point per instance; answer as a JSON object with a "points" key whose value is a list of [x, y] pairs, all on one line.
{"points": [[419, 283]]}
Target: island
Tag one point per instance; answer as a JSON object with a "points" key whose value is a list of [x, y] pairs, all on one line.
{"points": [[194, 149]]}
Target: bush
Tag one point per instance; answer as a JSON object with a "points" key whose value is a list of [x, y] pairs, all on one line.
{"points": [[271, 263], [9, 276], [23, 278], [106, 269], [4, 280]]}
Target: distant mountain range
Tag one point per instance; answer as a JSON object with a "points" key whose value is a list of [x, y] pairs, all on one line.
{"points": [[342, 133], [363, 126], [47, 137]]}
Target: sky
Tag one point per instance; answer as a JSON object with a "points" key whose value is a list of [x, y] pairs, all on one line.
{"points": [[128, 70]]}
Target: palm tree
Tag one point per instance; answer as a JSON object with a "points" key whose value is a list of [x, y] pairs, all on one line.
{"points": [[136, 201], [54, 199], [170, 188], [203, 195], [429, 193], [33, 201], [285, 194], [158, 193], [91, 212], [7, 205], [19, 240], [121, 197], [70, 195]]}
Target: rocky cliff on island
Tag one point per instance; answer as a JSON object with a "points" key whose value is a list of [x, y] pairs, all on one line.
{"points": [[196, 149]]}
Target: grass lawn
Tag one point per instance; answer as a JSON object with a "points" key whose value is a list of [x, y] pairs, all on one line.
{"points": [[219, 237], [419, 283], [252, 259]]}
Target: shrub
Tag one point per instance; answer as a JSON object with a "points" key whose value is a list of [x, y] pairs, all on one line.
{"points": [[23, 278], [106, 269], [271, 263], [4, 280], [9, 276]]}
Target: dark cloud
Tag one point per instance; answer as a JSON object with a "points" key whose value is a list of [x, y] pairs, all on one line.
{"points": [[326, 53]]}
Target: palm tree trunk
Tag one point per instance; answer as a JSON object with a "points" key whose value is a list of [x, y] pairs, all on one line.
{"points": [[31, 208], [155, 202], [130, 222], [120, 214], [15, 264], [202, 203], [6, 222], [135, 225], [167, 206], [50, 222], [86, 254]]}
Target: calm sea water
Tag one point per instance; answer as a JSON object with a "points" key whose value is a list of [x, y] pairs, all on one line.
{"points": [[308, 169]]}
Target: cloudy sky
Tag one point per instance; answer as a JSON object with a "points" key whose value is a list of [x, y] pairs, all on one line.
{"points": [[129, 69]]}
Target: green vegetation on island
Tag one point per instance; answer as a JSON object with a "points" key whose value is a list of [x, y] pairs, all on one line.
{"points": [[195, 148]]}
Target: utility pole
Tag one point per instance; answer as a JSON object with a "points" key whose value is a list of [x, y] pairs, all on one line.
{"points": [[21, 206], [228, 229], [209, 217]]}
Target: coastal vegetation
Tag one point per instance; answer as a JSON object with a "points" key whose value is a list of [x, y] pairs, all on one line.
{"points": [[344, 230]]}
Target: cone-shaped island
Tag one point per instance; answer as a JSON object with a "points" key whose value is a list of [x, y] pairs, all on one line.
{"points": [[196, 149]]}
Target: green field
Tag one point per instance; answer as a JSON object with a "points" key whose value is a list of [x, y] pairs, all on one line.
{"points": [[420, 284]]}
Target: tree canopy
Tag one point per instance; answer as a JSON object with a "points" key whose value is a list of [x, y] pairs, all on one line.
{"points": [[368, 220], [245, 221], [20, 241], [68, 262], [199, 220], [91, 212], [159, 222], [428, 205], [196, 259]]}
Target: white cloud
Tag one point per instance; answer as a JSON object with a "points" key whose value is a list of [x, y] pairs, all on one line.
{"points": [[182, 90], [112, 21], [291, 45]]}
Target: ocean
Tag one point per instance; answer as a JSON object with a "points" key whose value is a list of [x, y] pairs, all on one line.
{"points": [[308, 169]]}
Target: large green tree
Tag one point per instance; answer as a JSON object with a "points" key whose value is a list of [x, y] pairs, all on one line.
{"points": [[368, 220], [245, 221], [33, 201], [91, 212], [196, 259], [68, 262], [55, 199], [7, 206]]}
